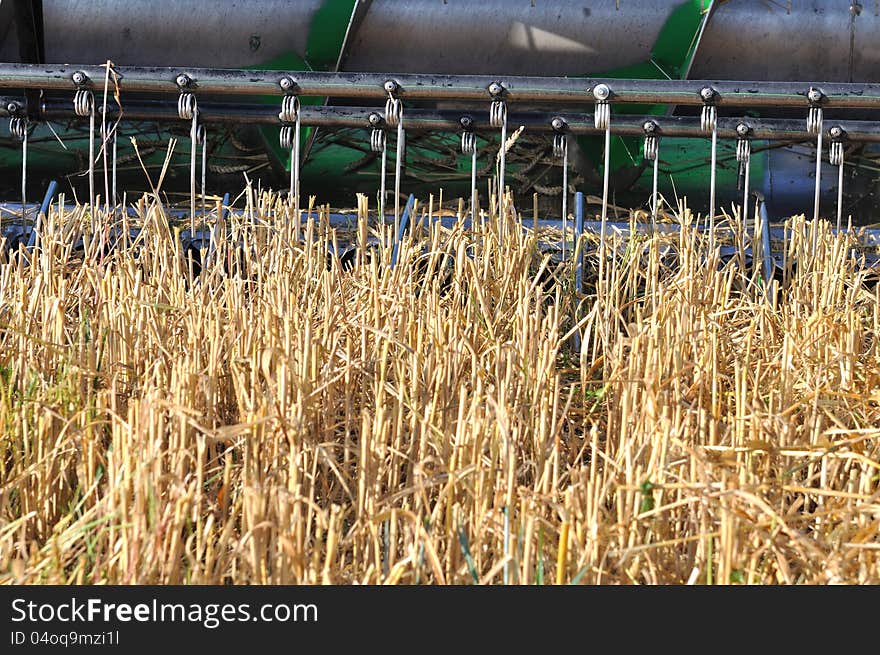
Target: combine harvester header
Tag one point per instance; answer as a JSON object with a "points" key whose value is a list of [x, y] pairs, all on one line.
{"points": [[632, 100]]}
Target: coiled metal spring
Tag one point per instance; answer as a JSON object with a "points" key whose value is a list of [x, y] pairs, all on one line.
{"points": [[835, 154], [289, 109], [743, 150], [187, 105], [651, 147], [18, 127], [708, 118], [285, 137], [83, 102], [377, 140], [393, 111], [560, 145], [814, 120], [468, 143], [497, 113], [602, 117]]}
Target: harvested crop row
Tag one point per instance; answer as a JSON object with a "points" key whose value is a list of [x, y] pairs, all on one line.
{"points": [[268, 415]]}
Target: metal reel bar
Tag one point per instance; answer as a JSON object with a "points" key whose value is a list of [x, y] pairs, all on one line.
{"points": [[579, 124], [570, 90]]}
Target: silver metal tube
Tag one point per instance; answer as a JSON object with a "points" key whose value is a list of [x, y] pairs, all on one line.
{"points": [[745, 206], [448, 120], [448, 87], [821, 39], [827, 39]]}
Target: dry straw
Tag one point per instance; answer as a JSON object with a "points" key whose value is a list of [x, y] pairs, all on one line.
{"points": [[268, 415]]}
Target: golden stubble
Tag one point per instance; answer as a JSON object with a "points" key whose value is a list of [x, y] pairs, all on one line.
{"points": [[464, 416]]}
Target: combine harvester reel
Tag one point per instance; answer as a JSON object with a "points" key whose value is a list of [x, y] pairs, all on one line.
{"points": [[632, 104]]}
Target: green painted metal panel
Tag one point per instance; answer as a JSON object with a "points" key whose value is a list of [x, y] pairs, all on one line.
{"points": [[669, 59], [327, 33], [324, 46]]}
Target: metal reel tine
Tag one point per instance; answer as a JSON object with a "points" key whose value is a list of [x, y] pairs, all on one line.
{"points": [[815, 120], [469, 147], [709, 124], [560, 150], [18, 128], [602, 119], [652, 147], [743, 157], [836, 158]]}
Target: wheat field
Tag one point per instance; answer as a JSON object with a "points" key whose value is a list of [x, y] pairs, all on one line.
{"points": [[268, 414]]}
